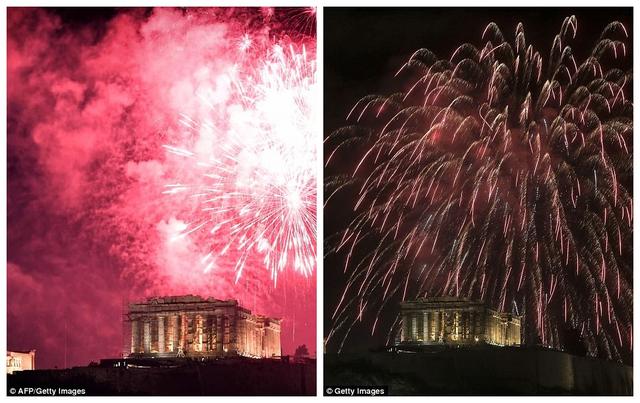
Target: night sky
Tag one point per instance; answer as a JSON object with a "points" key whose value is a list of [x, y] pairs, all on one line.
{"points": [[365, 47]]}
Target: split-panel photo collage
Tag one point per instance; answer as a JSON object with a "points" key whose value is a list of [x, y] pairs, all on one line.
{"points": [[247, 201]]}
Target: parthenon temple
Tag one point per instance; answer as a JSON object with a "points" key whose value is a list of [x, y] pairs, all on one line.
{"points": [[193, 326], [457, 321]]}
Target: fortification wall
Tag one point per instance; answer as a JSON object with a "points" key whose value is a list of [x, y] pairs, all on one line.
{"points": [[487, 371]]}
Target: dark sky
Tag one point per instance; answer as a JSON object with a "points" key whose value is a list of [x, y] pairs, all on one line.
{"points": [[364, 47]]}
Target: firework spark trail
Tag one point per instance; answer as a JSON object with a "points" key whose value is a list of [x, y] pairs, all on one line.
{"points": [[303, 19], [489, 179], [256, 187]]}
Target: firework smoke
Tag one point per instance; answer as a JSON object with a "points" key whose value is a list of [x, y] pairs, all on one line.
{"points": [[501, 176]]}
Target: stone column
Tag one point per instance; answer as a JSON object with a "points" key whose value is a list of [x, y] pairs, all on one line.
{"points": [[198, 333], [505, 325], [406, 328], [258, 333], [226, 332], [425, 327], [472, 323], [444, 325], [210, 333], [173, 334], [214, 333], [233, 334], [161, 348], [248, 330], [180, 331], [435, 323], [490, 322], [205, 333], [135, 336], [147, 336], [253, 335], [220, 334], [190, 333], [479, 328], [414, 328], [186, 332], [464, 316]]}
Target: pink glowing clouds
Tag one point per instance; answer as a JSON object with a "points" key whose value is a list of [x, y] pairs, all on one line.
{"points": [[90, 108]]}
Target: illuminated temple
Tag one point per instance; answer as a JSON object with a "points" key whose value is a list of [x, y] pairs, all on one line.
{"points": [[456, 321], [192, 326]]}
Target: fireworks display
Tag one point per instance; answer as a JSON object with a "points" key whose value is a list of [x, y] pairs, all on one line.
{"points": [[499, 174], [257, 191]]}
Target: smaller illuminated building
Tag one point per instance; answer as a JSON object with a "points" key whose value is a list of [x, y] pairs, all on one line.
{"points": [[456, 321], [21, 361]]}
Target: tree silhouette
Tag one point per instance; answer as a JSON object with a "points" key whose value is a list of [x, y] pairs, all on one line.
{"points": [[302, 351]]}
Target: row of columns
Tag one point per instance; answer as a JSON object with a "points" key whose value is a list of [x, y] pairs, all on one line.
{"points": [[504, 332], [183, 332], [258, 337], [441, 325], [254, 339]]}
